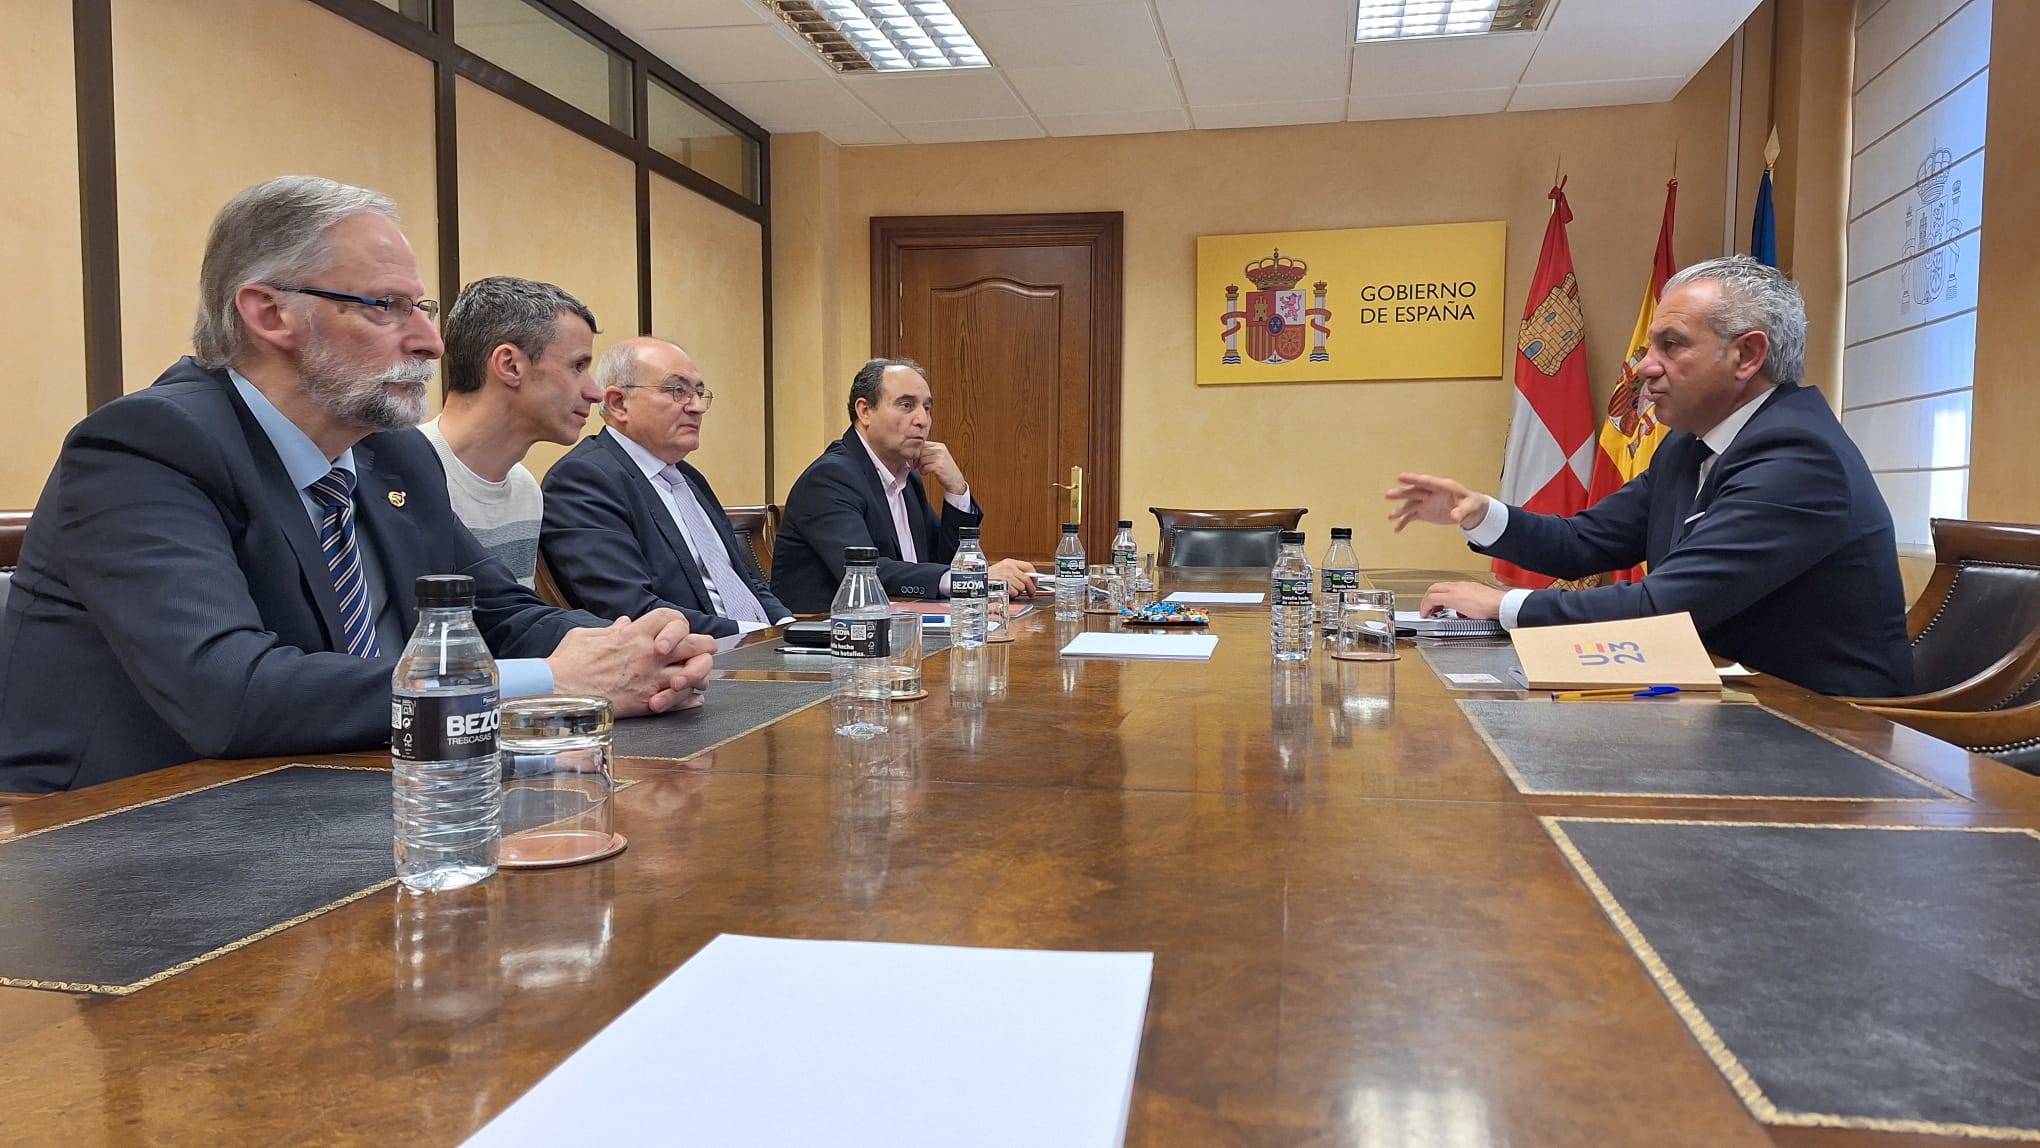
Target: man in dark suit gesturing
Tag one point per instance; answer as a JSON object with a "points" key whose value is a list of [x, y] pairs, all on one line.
{"points": [[866, 490], [221, 565], [1759, 518], [628, 525]]}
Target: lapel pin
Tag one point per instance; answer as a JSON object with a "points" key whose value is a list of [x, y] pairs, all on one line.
{"points": [[397, 499]]}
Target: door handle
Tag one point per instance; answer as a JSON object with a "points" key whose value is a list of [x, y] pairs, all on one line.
{"points": [[1076, 488]]}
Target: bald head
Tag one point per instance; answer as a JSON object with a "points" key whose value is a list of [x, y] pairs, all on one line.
{"points": [[652, 393]]}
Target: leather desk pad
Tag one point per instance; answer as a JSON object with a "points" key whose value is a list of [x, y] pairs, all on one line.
{"points": [[735, 707], [1676, 748], [1882, 978], [115, 903]]}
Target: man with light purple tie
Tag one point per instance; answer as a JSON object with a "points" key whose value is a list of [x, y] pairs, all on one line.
{"points": [[628, 525]]}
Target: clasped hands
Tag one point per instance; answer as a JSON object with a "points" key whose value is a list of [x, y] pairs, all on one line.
{"points": [[1444, 502], [653, 664], [937, 464]]}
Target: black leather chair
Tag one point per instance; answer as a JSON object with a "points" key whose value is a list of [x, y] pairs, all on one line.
{"points": [[1976, 627], [1223, 537], [756, 526], [2012, 735]]}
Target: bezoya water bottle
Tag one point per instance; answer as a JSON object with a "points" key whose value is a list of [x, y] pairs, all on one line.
{"points": [[1290, 632], [968, 575], [1340, 573], [1069, 574], [448, 785], [1126, 556], [860, 640]]}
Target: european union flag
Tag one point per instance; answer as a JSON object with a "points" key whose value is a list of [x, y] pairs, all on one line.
{"points": [[1764, 228]]}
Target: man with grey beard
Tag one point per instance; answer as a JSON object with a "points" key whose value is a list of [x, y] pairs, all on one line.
{"points": [[222, 564]]}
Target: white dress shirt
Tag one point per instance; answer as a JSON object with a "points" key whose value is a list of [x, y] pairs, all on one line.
{"points": [[896, 500], [660, 475]]}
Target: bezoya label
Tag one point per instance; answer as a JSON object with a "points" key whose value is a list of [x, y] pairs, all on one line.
{"points": [[967, 585], [1292, 592], [1124, 555], [1068, 567], [444, 727], [860, 637], [1337, 581]]}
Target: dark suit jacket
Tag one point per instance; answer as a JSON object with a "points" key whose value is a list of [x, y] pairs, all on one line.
{"points": [[837, 503], [1790, 566], [172, 602], [612, 547]]}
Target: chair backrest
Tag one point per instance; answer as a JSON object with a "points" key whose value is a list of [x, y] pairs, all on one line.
{"points": [[1222, 537], [1981, 603], [547, 588], [756, 526], [13, 529]]}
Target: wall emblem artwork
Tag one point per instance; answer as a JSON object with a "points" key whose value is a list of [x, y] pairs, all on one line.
{"points": [[1414, 303], [1929, 274]]}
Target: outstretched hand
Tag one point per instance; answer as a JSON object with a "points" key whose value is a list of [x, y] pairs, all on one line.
{"points": [[1439, 501]]}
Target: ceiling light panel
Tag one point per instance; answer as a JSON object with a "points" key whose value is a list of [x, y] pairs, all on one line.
{"points": [[1408, 19], [882, 35]]}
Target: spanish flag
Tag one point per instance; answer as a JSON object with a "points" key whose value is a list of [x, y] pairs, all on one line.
{"points": [[1631, 435]]}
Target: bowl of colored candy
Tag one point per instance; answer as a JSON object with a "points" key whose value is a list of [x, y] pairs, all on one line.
{"points": [[1165, 614]]}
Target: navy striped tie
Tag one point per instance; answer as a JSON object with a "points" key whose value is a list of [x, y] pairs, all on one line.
{"points": [[335, 492]]}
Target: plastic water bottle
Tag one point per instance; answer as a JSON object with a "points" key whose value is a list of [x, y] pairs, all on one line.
{"points": [[1126, 556], [1290, 634], [448, 787], [860, 638], [1069, 574], [1340, 573], [967, 590]]}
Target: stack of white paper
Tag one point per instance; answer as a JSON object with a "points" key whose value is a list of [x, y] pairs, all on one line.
{"points": [[1166, 647], [1213, 598], [764, 1042]]}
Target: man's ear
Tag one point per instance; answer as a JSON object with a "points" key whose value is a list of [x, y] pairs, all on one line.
{"points": [[266, 319], [1753, 349], [509, 364]]}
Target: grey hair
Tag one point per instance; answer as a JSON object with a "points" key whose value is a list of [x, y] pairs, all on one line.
{"points": [[869, 382], [272, 232], [1755, 297], [618, 367], [503, 309]]}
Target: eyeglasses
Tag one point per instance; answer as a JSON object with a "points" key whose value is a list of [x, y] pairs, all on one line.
{"points": [[395, 306], [679, 392]]}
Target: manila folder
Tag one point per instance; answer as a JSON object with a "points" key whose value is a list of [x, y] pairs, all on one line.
{"points": [[1659, 651]]}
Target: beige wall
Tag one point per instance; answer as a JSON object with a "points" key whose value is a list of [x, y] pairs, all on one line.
{"points": [[212, 96], [1332, 447], [806, 326], [1814, 56], [2004, 475], [540, 202], [708, 278], [42, 290]]}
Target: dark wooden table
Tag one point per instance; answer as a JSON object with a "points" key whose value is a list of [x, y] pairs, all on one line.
{"points": [[1362, 934]]}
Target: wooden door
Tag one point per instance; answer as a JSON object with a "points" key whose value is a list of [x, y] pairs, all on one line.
{"points": [[1017, 320]]}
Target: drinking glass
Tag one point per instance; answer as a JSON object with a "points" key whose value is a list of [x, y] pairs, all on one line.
{"points": [[1103, 590], [998, 612], [1366, 623], [906, 657], [555, 752]]}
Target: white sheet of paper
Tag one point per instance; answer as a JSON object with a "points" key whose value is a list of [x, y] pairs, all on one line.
{"points": [[766, 1042], [1203, 598], [1167, 647], [1473, 679], [1735, 670]]}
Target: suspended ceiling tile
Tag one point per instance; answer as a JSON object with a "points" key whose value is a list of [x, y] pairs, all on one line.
{"points": [[1421, 105], [936, 96], [1265, 79], [961, 131], [1598, 54], [1596, 93], [648, 14], [1205, 29], [1052, 37], [736, 55], [1269, 115], [794, 105], [1460, 63], [1094, 88], [1117, 123]]}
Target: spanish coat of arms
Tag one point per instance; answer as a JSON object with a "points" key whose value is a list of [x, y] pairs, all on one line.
{"points": [[1275, 318]]}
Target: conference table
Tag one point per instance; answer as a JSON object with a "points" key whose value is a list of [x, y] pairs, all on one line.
{"points": [[1364, 931]]}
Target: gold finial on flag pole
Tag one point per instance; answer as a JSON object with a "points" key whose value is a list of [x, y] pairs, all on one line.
{"points": [[1771, 149]]}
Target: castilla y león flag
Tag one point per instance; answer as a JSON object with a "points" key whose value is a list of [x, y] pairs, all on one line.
{"points": [[1631, 435], [1551, 429]]}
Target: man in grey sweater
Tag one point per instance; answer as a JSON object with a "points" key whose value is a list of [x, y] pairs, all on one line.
{"points": [[516, 372]]}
